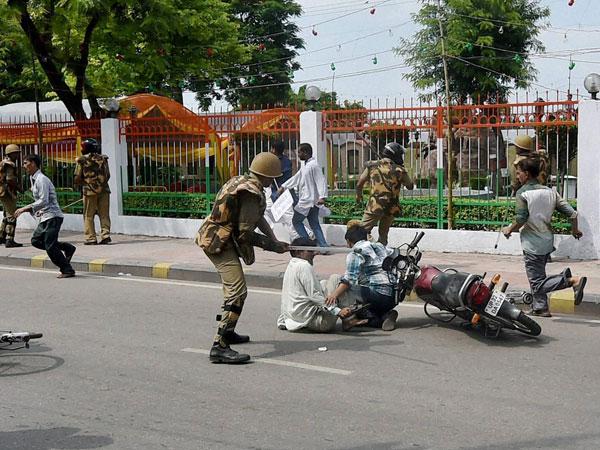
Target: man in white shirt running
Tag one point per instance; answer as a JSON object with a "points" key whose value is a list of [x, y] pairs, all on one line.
{"points": [[310, 187], [46, 209], [303, 297]]}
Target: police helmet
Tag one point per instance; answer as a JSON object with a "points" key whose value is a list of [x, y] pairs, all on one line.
{"points": [[12, 148], [90, 146], [266, 164], [394, 151], [523, 143]]}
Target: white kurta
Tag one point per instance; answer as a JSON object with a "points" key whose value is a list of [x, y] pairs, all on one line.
{"points": [[310, 186], [302, 297]]}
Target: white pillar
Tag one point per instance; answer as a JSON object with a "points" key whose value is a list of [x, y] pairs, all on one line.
{"points": [[588, 181], [116, 150], [311, 131]]}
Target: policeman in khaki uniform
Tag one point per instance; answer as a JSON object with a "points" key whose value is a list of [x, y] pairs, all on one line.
{"points": [[525, 148], [92, 172], [9, 188], [228, 235], [386, 176]]}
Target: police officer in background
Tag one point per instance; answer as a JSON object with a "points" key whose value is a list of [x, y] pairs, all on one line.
{"points": [[228, 235], [9, 188], [386, 176], [93, 174], [525, 148]]}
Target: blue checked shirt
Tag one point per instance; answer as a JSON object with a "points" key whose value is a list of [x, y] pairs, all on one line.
{"points": [[363, 267]]}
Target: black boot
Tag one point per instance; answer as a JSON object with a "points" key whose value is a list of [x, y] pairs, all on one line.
{"points": [[10, 243], [226, 355], [233, 338], [2, 240]]}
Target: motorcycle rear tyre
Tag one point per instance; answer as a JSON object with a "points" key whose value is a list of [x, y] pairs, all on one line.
{"points": [[524, 324]]}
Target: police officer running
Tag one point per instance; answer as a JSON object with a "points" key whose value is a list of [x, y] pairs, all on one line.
{"points": [[92, 172], [9, 188], [228, 235], [386, 176]]}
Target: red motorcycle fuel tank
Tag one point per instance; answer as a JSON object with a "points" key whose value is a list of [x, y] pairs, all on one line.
{"points": [[423, 282]]}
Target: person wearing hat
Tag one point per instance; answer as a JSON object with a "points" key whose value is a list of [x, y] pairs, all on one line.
{"points": [[386, 177], [525, 148], [9, 188], [227, 235], [92, 174]]}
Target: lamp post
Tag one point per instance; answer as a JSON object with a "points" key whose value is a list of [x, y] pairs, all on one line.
{"points": [[112, 106], [312, 94], [592, 84]]}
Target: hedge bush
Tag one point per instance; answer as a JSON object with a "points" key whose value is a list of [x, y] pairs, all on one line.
{"points": [[416, 212]]}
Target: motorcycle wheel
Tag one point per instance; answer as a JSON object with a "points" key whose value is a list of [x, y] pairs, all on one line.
{"points": [[523, 323]]}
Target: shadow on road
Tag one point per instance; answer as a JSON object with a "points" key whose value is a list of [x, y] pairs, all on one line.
{"points": [[16, 363], [52, 438], [353, 343], [507, 338]]}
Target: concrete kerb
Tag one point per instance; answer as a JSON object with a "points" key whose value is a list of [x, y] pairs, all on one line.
{"points": [[204, 274], [159, 270]]}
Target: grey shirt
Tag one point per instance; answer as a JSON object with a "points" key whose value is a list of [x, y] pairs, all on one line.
{"points": [[45, 206], [535, 206]]}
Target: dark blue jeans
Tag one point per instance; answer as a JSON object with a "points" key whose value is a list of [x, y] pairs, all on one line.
{"points": [[45, 237], [379, 305], [313, 221]]}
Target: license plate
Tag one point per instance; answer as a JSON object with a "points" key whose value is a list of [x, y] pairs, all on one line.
{"points": [[495, 303]]}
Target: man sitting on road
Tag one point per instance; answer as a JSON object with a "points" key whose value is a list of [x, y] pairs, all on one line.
{"points": [[364, 270], [303, 299]]}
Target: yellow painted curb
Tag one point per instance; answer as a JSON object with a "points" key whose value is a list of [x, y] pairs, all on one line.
{"points": [[161, 270], [96, 265], [38, 261], [563, 301]]}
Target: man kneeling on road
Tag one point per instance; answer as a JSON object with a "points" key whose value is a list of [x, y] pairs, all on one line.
{"points": [[364, 270], [303, 299]]}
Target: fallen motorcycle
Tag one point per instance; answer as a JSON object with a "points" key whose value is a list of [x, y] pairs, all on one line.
{"points": [[461, 294]]}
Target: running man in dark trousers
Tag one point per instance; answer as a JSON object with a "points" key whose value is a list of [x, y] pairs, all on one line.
{"points": [[535, 205], [45, 208]]}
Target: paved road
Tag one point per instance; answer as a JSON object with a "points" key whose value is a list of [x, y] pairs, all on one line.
{"points": [[122, 366]]}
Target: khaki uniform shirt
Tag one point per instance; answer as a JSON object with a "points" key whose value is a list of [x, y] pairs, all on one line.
{"points": [[8, 178], [386, 180], [238, 208], [92, 170]]}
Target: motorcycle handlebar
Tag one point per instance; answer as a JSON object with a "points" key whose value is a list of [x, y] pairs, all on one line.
{"points": [[416, 240]]}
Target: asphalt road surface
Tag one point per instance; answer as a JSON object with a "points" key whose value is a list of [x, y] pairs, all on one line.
{"points": [[123, 365]]}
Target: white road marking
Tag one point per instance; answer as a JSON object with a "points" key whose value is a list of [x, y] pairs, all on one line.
{"points": [[571, 320], [278, 362]]}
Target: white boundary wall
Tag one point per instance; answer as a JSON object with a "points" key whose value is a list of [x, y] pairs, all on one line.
{"points": [[434, 240]]}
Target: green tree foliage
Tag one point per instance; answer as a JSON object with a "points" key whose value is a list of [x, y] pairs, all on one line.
{"points": [[487, 43], [93, 48], [267, 27]]}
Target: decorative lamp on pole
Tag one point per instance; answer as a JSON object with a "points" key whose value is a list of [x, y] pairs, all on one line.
{"points": [[592, 84], [312, 94], [112, 106]]}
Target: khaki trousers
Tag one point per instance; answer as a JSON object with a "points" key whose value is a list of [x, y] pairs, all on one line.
{"points": [[92, 205], [9, 221], [235, 291], [370, 219]]}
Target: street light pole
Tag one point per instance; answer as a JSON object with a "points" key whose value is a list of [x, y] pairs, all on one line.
{"points": [[448, 120], [37, 105]]}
